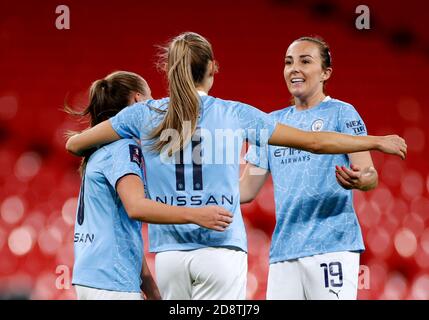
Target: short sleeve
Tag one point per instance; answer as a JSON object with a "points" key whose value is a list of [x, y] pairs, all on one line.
{"points": [[350, 122], [258, 126], [258, 156], [124, 159], [129, 121]]}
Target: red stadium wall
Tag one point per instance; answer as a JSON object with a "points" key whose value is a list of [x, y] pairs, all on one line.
{"points": [[382, 72]]}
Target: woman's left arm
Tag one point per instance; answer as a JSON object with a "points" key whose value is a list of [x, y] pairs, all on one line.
{"points": [[362, 175], [148, 286]]}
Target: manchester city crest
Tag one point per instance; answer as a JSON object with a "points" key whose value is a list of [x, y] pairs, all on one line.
{"points": [[317, 125]]}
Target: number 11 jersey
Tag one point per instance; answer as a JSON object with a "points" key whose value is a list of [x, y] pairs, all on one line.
{"points": [[205, 172]]}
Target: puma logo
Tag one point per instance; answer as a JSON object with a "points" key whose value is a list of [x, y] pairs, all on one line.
{"points": [[336, 293]]}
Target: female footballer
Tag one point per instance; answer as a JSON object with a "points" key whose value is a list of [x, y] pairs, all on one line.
{"points": [[109, 260], [317, 238], [192, 142]]}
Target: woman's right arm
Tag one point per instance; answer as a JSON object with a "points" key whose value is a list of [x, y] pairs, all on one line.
{"points": [[126, 124], [131, 192], [100, 134], [251, 182], [336, 143]]}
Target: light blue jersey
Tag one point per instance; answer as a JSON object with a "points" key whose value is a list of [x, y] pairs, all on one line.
{"points": [[206, 172], [108, 244], [314, 214]]}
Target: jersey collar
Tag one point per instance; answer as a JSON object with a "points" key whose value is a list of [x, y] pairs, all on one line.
{"points": [[327, 98], [201, 93]]}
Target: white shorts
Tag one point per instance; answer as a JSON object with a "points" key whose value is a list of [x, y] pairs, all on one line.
{"points": [[87, 293], [202, 274], [329, 276]]}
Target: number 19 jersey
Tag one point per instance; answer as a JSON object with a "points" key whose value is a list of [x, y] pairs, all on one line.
{"points": [[314, 214]]}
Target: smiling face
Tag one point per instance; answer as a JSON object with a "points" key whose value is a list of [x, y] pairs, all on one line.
{"points": [[303, 72]]}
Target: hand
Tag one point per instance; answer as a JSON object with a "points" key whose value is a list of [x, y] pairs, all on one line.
{"points": [[356, 178], [212, 217], [348, 179], [393, 144], [153, 295], [150, 290]]}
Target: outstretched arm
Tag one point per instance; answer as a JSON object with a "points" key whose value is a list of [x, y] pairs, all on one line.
{"points": [[131, 192], [251, 181], [334, 143], [100, 134]]}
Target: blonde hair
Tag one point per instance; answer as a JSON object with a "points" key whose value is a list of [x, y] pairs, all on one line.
{"points": [[185, 61]]}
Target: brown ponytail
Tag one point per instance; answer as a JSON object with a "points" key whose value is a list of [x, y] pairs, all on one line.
{"points": [[187, 57], [107, 97]]}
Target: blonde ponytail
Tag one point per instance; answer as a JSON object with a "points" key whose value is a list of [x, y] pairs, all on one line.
{"points": [[187, 59]]}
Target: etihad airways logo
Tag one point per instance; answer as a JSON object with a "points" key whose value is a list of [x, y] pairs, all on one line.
{"points": [[290, 155]]}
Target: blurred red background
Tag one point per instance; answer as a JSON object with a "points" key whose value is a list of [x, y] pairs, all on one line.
{"points": [[382, 72]]}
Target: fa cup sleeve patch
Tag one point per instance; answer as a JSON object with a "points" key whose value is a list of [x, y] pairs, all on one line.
{"points": [[135, 154]]}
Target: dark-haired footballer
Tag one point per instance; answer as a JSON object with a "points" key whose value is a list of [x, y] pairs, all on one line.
{"points": [[317, 239], [109, 260]]}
